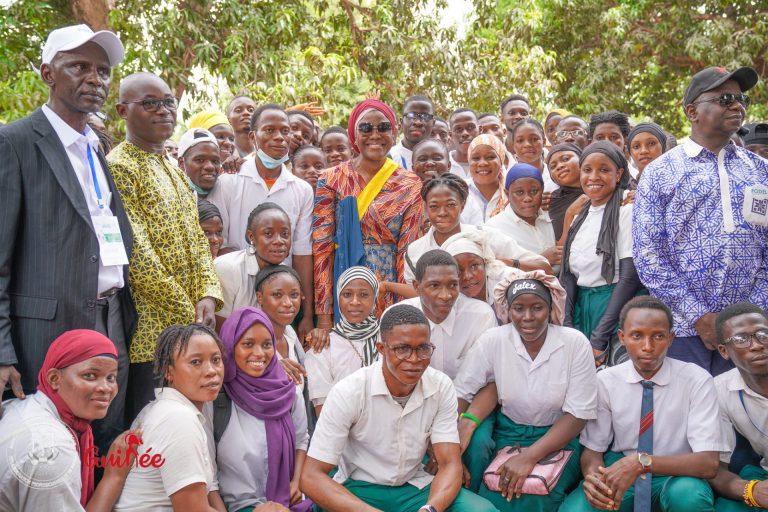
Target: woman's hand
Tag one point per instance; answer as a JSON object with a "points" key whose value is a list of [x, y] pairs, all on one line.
{"points": [[119, 450], [600, 356], [296, 495], [311, 107], [304, 328], [232, 164], [513, 474], [294, 370], [431, 466], [546, 197], [271, 506], [466, 431], [630, 197], [598, 494], [554, 255], [318, 340]]}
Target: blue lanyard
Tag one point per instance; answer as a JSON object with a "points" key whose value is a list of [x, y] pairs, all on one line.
{"points": [[96, 186], [741, 397], [405, 166]]}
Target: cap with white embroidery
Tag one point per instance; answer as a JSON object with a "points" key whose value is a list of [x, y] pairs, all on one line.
{"points": [[194, 137]]}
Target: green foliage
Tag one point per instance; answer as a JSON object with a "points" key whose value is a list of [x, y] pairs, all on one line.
{"points": [[585, 55]]}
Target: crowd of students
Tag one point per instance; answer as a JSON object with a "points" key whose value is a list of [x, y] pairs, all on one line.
{"points": [[482, 313]]}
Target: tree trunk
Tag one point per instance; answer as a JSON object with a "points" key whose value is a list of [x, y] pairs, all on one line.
{"points": [[94, 13]]}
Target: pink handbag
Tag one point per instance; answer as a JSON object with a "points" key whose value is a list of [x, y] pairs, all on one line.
{"points": [[542, 479]]}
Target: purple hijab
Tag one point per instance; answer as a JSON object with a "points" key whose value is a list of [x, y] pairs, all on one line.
{"points": [[269, 398]]}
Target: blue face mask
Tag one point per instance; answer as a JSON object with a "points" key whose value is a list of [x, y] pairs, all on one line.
{"points": [[269, 162]]}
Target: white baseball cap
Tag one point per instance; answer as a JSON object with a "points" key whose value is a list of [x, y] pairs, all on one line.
{"points": [[68, 38], [194, 137]]}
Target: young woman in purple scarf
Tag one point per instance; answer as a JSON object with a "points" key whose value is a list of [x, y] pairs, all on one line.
{"points": [[261, 452]]}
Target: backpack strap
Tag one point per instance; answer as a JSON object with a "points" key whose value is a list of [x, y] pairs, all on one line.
{"points": [[222, 410]]}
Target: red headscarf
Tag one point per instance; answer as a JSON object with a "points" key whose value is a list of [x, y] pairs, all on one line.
{"points": [[70, 348], [362, 107]]}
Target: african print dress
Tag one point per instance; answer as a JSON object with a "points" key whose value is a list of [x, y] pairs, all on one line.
{"points": [[391, 222]]}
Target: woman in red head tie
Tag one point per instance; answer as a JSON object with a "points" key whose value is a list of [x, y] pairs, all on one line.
{"points": [[47, 436], [367, 211]]}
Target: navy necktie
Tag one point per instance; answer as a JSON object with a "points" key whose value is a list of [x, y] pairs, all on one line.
{"points": [[645, 445]]}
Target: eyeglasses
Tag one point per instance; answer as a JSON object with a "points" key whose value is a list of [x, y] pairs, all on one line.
{"points": [[153, 105], [423, 116], [571, 133], [383, 127], [727, 99], [745, 340], [403, 352]]}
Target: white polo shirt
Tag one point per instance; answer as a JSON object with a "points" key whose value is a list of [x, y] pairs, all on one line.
{"points": [[370, 437], [324, 369], [685, 412], [40, 467], [455, 336], [535, 238], [743, 418], [174, 427], [237, 276], [562, 378], [236, 195], [584, 263]]}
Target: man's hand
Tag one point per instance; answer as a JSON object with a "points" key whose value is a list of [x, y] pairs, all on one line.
{"points": [[205, 312], [513, 474], [705, 327], [310, 107], [554, 255], [598, 494], [431, 466], [600, 356], [232, 164], [622, 475], [10, 374], [295, 371], [760, 493]]}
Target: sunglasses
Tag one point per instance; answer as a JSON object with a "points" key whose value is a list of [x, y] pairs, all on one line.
{"points": [[745, 340], [423, 116], [382, 127], [727, 99], [153, 105], [572, 133]]}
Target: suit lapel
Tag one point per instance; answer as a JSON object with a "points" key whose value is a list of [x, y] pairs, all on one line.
{"points": [[58, 161]]}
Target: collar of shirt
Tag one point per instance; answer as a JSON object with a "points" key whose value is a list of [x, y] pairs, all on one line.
{"points": [[251, 264], [423, 390], [168, 393], [249, 169], [447, 324], [542, 217], [736, 383], [69, 135], [662, 377], [593, 209], [551, 345], [479, 195], [693, 149]]}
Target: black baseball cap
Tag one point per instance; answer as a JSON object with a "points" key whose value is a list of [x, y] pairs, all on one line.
{"points": [[711, 78], [757, 133]]}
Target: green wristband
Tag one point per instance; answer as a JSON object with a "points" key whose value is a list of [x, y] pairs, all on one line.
{"points": [[471, 417]]}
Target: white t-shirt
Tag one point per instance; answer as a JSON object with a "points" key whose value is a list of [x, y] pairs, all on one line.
{"points": [[176, 429], [585, 264], [402, 156], [536, 238], [40, 467], [237, 276], [562, 378], [741, 418], [324, 369]]}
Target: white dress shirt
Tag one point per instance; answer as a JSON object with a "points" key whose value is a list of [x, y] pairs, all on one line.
{"points": [[236, 195], [402, 156], [478, 209], [585, 264], [242, 455], [237, 276], [455, 336], [458, 168], [40, 467], [685, 413], [743, 418], [340, 358], [536, 392], [76, 145], [370, 437], [535, 238], [174, 427]]}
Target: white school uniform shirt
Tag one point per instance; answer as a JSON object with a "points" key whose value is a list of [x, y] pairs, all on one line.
{"points": [[236, 195], [454, 337], [538, 392], [370, 437], [742, 418], [536, 238], [457, 167], [295, 351], [342, 357], [402, 156], [584, 263], [174, 427], [40, 467], [549, 184], [76, 146], [478, 210], [502, 246], [242, 455], [237, 276], [685, 413]]}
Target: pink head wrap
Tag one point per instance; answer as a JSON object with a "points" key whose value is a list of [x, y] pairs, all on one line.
{"points": [[358, 111]]}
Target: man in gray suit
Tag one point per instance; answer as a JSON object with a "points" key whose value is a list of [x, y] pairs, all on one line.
{"points": [[64, 237]]}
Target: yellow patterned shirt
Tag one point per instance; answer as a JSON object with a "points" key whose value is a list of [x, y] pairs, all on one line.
{"points": [[171, 267]]}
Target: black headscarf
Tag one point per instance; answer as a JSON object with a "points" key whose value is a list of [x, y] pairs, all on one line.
{"points": [[609, 228], [651, 128], [563, 197], [207, 210]]}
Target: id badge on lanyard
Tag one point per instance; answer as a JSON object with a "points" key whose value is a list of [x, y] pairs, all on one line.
{"points": [[755, 208], [107, 228]]}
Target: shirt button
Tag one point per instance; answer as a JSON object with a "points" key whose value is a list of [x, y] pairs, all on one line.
{"points": [[91, 303], [94, 258]]}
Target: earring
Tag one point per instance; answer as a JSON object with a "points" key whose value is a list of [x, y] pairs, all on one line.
{"points": [[251, 250]]}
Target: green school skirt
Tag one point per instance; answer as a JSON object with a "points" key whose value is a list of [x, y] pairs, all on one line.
{"points": [[590, 306]]}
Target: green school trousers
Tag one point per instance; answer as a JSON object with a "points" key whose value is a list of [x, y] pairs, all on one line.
{"points": [[508, 433], [480, 451], [668, 494]]}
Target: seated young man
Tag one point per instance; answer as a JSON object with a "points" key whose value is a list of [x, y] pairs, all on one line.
{"points": [[455, 320], [742, 394], [659, 417], [376, 425]]}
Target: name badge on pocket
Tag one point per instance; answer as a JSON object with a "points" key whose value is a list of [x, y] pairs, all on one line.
{"points": [[755, 208], [111, 246]]}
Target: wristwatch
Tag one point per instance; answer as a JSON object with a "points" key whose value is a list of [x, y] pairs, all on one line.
{"points": [[427, 508], [645, 460]]}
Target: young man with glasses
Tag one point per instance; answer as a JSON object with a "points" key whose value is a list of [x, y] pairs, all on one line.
{"points": [[376, 427], [700, 224], [418, 120], [742, 393], [171, 271]]}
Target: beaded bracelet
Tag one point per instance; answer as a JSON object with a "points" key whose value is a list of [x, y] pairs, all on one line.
{"points": [[471, 417], [749, 498]]}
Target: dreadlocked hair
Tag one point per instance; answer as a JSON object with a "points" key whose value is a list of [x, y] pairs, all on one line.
{"points": [[173, 342]]}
